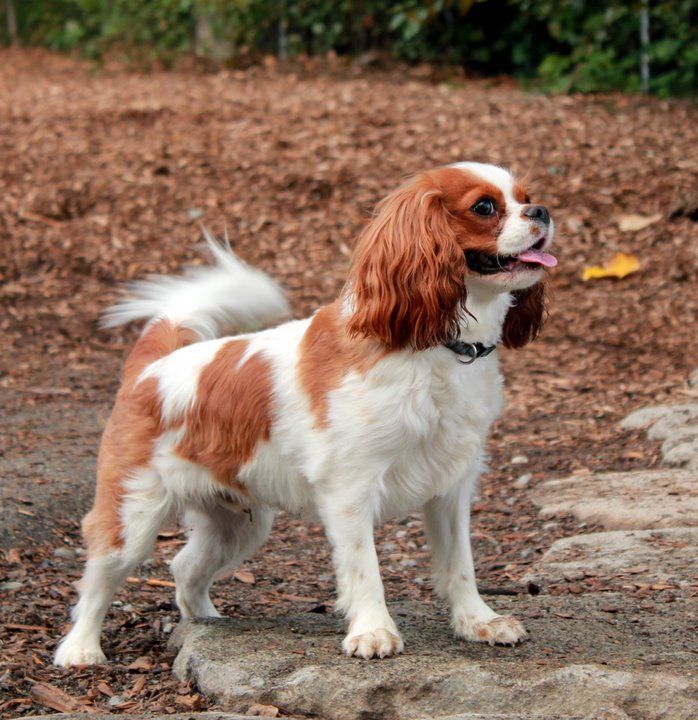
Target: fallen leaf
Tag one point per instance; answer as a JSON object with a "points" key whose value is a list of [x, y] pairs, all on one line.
{"points": [[52, 697], [193, 702], [245, 576], [154, 582], [105, 689], [30, 628], [141, 663], [620, 265], [633, 223], [13, 556], [137, 686]]}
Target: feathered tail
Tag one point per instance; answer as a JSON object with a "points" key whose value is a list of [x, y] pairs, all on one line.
{"points": [[227, 297], [224, 298]]}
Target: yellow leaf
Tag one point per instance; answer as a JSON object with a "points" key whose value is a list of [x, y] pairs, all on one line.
{"points": [[620, 265], [633, 223]]}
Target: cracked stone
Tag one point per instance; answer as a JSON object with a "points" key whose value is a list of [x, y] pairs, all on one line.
{"points": [[640, 499]]}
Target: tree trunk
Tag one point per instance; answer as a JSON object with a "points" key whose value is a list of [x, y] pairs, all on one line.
{"points": [[644, 46], [11, 22]]}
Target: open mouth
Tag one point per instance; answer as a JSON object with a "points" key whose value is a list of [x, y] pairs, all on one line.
{"points": [[531, 259]]}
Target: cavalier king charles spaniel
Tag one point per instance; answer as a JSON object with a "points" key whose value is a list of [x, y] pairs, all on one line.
{"points": [[378, 404]]}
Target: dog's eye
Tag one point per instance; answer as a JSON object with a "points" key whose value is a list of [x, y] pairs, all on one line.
{"points": [[485, 207]]}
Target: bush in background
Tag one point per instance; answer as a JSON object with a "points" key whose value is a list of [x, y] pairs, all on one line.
{"points": [[563, 45]]}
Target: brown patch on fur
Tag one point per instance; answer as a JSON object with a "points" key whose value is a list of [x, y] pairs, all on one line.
{"points": [[326, 354], [159, 339], [483, 633], [520, 194], [231, 415], [526, 316], [130, 434], [408, 270]]}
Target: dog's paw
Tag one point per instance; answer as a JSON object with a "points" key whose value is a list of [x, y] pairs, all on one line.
{"points": [[196, 607], [70, 653], [499, 630], [378, 643]]}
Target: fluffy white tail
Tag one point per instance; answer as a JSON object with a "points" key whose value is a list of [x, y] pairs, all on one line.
{"points": [[227, 297]]}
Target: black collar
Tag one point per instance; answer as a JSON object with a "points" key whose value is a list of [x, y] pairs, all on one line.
{"points": [[469, 352]]}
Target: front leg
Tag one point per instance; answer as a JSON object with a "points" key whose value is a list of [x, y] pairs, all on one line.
{"points": [[448, 530], [349, 526]]}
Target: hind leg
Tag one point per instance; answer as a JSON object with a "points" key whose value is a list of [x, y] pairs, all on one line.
{"points": [[144, 509], [221, 537]]}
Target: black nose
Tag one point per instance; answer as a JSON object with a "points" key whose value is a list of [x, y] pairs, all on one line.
{"points": [[538, 212]]}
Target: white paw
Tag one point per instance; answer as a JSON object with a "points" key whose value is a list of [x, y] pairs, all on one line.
{"points": [[72, 653], [196, 608], [499, 630], [377, 643]]}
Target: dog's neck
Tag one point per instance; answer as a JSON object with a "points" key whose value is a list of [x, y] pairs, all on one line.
{"points": [[484, 315], [482, 320]]}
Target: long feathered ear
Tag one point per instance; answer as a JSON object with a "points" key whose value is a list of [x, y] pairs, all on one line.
{"points": [[407, 276], [526, 316]]}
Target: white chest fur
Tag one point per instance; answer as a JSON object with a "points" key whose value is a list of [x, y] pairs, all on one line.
{"points": [[406, 431]]}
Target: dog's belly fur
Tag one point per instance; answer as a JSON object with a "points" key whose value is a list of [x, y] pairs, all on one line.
{"points": [[431, 431]]}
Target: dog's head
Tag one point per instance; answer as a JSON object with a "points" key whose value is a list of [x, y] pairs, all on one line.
{"points": [[460, 226]]}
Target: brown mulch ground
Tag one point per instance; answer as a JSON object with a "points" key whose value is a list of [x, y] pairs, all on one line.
{"points": [[105, 176]]}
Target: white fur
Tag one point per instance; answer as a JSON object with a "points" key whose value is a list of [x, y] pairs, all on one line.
{"points": [[409, 433], [229, 296]]}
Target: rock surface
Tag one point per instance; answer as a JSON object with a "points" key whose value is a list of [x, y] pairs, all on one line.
{"points": [[175, 716], [646, 556], [580, 662], [677, 425], [640, 499]]}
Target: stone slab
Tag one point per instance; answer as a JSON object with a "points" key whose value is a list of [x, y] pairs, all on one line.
{"points": [[579, 662], [643, 556], [235, 716], [174, 716], [682, 450], [641, 499], [677, 425], [669, 415]]}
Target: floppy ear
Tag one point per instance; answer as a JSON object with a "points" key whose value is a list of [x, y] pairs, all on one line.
{"points": [[407, 276], [526, 316]]}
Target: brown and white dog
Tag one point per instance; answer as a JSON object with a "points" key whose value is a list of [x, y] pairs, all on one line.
{"points": [[379, 403]]}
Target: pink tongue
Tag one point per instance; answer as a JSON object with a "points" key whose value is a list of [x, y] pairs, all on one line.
{"points": [[537, 257]]}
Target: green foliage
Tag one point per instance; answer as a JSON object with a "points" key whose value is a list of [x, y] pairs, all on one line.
{"points": [[563, 45], [143, 31], [594, 45]]}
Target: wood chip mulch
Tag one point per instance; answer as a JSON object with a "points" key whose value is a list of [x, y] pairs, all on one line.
{"points": [[107, 175]]}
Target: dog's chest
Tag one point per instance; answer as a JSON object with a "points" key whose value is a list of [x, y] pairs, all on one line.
{"points": [[428, 420]]}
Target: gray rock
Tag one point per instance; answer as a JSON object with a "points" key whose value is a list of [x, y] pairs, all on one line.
{"points": [[671, 424], [150, 716], [523, 481], [672, 414], [642, 555], [64, 553], [641, 499], [11, 585], [295, 663], [682, 451]]}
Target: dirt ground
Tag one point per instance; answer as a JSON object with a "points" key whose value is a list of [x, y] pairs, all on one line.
{"points": [[106, 175]]}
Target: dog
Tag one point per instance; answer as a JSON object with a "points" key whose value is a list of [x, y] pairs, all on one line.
{"points": [[378, 404]]}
